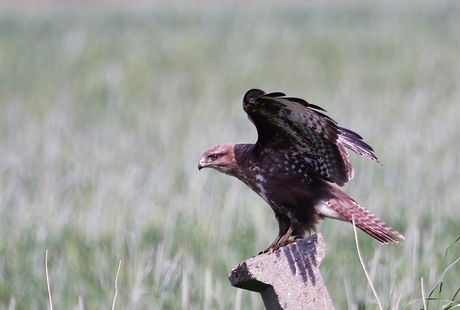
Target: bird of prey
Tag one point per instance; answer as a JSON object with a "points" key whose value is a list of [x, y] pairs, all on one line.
{"points": [[299, 152]]}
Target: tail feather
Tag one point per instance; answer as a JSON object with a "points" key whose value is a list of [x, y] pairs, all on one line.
{"points": [[374, 227], [350, 210]]}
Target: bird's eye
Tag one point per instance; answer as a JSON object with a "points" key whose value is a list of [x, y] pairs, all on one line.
{"points": [[213, 156]]}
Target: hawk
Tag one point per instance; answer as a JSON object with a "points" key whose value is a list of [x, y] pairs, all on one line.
{"points": [[299, 153]]}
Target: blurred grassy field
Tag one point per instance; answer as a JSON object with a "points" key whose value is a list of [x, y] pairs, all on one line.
{"points": [[105, 111]]}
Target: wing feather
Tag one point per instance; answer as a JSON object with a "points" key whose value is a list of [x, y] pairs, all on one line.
{"points": [[275, 94], [298, 129], [354, 142]]}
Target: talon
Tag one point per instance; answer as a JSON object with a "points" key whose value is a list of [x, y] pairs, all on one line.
{"points": [[269, 250], [263, 251]]}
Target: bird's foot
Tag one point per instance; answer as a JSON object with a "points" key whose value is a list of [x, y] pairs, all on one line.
{"points": [[273, 248], [282, 240], [289, 241], [269, 250]]}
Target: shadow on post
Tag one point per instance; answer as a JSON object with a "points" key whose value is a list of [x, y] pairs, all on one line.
{"points": [[288, 278]]}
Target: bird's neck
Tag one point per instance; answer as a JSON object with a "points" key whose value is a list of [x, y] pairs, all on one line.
{"points": [[242, 153]]}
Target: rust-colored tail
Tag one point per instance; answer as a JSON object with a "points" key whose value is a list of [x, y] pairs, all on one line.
{"points": [[350, 210]]}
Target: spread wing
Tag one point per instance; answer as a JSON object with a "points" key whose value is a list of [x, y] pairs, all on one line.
{"points": [[300, 131]]}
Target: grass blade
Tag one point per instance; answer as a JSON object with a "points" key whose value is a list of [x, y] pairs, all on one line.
{"points": [[364, 267]]}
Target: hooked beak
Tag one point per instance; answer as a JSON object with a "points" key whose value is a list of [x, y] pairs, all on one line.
{"points": [[201, 164]]}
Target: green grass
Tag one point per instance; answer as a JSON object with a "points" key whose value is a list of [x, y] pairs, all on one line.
{"points": [[105, 112]]}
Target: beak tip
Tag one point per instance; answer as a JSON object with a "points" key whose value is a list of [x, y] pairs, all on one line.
{"points": [[201, 164]]}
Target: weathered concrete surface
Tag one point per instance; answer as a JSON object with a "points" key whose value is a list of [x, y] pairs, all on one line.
{"points": [[288, 278]]}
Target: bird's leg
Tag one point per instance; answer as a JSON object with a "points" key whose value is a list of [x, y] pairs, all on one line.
{"points": [[283, 226], [285, 239], [280, 240]]}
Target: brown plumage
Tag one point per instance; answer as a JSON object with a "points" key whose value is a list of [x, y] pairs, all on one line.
{"points": [[299, 152]]}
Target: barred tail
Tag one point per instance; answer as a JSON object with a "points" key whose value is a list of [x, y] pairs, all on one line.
{"points": [[350, 210]]}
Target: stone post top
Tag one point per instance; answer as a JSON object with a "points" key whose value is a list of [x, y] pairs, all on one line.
{"points": [[298, 258], [287, 278]]}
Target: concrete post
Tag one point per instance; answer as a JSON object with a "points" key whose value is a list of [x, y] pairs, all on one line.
{"points": [[288, 278]]}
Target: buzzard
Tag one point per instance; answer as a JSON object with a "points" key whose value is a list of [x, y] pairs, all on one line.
{"points": [[299, 152]]}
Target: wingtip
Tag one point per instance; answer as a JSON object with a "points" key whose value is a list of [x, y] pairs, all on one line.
{"points": [[275, 94], [253, 94]]}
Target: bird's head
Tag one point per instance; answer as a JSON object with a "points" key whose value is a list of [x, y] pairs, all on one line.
{"points": [[220, 157]]}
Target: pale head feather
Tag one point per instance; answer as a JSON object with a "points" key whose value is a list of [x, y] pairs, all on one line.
{"points": [[222, 158]]}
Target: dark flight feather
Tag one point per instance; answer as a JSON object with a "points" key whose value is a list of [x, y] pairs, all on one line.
{"points": [[306, 132]]}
